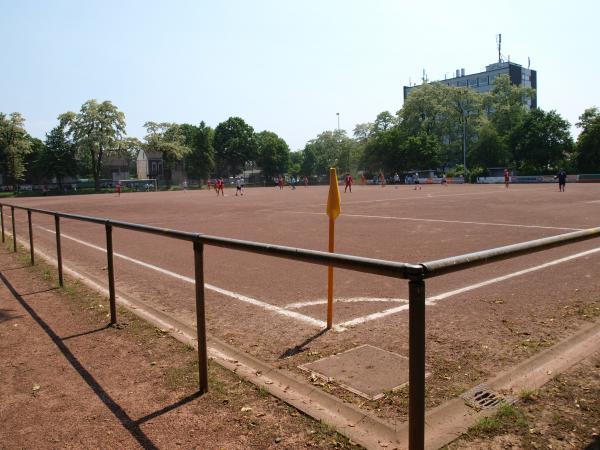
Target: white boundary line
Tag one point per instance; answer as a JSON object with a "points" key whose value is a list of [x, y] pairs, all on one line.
{"points": [[240, 297], [418, 197], [321, 324], [416, 219], [347, 300], [434, 299]]}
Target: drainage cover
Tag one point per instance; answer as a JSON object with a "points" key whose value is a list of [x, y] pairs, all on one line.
{"points": [[482, 397], [365, 370]]}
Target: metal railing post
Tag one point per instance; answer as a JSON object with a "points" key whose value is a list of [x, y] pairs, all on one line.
{"points": [[14, 232], [2, 220], [30, 237], [201, 316], [416, 369], [111, 274], [58, 250]]}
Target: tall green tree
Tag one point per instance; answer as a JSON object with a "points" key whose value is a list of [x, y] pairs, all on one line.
{"points": [[235, 145], [34, 164], [588, 142], [15, 144], [96, 131], [273, 155], [489, 150], [543, 142], [60, 156], [507, 107], [167, 139], [200, 161]]}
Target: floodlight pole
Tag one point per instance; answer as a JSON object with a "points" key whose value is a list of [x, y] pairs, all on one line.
{"points": [[465, 142]]}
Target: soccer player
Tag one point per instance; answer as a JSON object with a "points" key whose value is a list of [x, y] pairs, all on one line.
{"points": [[305, 181], [280, 182], [219, 187], [208, 184], [348, 179], [118, 189], [238, 186], [562, 180], [381, 178], [363, 180], [506, 178], [417, 182]]}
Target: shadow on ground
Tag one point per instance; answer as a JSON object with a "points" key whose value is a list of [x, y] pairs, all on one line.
{"points": [[131, 425]]}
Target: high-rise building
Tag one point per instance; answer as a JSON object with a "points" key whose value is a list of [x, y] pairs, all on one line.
{"points": [[484, 81]]}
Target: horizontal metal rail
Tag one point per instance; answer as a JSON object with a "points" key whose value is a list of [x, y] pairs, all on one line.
{"points": [[461, 262], [350, 262]]}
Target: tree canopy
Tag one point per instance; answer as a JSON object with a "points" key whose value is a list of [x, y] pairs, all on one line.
{"points": [[95, 131]]}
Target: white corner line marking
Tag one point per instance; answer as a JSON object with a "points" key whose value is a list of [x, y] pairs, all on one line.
{"points": [[415, 219], [300, 305], [240, 297], [434, 299]]}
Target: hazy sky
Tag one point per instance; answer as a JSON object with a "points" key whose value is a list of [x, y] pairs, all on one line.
{"points": [[283, 66]]}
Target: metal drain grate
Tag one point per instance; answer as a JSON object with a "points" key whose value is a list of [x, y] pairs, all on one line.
{"points": [[481, 397]]}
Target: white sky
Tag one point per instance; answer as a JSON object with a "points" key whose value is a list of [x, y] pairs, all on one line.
{"points": [[284, 66]]}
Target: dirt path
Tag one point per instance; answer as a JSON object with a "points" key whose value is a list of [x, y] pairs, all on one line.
{"points": [[68, 381]]}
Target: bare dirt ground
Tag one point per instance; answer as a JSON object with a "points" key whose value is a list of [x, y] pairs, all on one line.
{"points": [[471, 334], [564, 414], [68, 381]]}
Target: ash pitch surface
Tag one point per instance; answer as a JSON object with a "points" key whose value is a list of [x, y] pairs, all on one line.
{"points": [[268, 306]]}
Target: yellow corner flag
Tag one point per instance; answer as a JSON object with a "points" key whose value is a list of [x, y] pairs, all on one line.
{"points": [[333, 201], [333, 211]]}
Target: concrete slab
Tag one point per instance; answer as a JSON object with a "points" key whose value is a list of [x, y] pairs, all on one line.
{"points": [[366, 370]]}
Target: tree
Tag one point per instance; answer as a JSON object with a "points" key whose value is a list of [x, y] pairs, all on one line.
{"points": [[588, 142], [506, 106], [296, 159], [201, 160], [489, 150], [328, 149], [35, 167], [95, 131], [543, 141], [59, 157], [235, 145], [273, 155], [168, 140], [15, 144], [383, 122]]}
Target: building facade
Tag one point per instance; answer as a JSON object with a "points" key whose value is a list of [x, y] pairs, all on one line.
{"points": [[484, 81]]}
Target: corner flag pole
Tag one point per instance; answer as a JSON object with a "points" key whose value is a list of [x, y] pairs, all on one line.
{"points": [[333, 211]]}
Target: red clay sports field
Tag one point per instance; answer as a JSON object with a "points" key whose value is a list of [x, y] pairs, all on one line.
{"points": [[478, 321]]}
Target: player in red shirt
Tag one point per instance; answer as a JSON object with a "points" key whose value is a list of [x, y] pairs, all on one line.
{"points": [[118, 189], [219, 187], [506, 178], [348, 179], [382, 179], [305, 181], [280, 182]]}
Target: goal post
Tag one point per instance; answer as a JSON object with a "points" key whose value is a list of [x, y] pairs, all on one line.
{"points": [[140, 185]]}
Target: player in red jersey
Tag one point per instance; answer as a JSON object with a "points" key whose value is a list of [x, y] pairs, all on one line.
{"points": [[506, 178], [349, 180]]}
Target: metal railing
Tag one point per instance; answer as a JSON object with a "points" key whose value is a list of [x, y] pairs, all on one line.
{"points": [[415, 273]]}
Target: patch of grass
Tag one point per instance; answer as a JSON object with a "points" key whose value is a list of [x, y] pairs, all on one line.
{"points": [[506, 418], [528, 396], [182, 377]]}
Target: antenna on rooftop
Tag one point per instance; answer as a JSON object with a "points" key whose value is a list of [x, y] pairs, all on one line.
{"points": [[499, 44]]}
